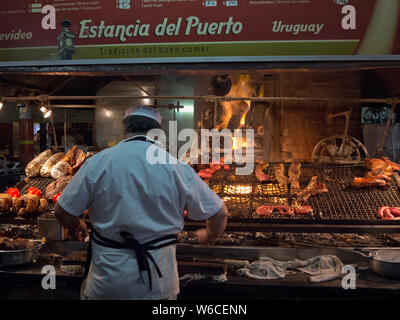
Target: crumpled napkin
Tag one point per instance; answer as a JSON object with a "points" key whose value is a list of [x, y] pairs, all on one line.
{"points": [[320, 268]]}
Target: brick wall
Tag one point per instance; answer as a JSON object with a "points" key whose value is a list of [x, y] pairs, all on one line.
{"points": [[302, 124]]}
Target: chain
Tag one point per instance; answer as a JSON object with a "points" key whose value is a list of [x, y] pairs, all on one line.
{"points": [[393, 102]]}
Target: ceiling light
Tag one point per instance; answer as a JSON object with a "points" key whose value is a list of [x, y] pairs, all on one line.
{"points": [[187, 109], [1, 105], [47, 114], [43, 109]]}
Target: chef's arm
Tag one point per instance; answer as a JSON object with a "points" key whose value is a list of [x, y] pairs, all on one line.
{"points": [[75, 225], [217, 223], [66, 220], [215, 226]]}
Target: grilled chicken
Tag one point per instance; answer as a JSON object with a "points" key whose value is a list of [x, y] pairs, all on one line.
{"points": [[29, 203], [45, 171], [33, 167], [294, 174], [379, 166], [279, 170], [5, 202], [379, 174]]}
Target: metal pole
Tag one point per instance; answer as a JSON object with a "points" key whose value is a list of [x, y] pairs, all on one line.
{"points": [[65, 131], [26, 142], [205, 98]]}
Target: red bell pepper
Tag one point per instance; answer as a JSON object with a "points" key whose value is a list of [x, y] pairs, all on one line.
{"points": [[55, 198], [13, 192], [35, 191]]}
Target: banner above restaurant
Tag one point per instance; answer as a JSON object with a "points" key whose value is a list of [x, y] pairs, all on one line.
{"points": [[143, 31]]}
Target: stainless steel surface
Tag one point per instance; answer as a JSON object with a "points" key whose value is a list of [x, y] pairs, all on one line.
{"points": [[347, 256], [386, 263], [49, 227], [64, 247]]}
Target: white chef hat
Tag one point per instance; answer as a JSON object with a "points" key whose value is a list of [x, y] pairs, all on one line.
{"points": [[144, 111]]}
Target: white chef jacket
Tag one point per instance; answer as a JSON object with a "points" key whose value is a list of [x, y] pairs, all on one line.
{"points": [[127, 193]]}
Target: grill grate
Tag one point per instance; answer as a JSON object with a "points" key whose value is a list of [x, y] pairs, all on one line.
{"points": [[37, 182], [244, 194]]}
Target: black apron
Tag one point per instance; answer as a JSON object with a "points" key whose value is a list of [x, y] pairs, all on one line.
{"points": [[142, 250]]}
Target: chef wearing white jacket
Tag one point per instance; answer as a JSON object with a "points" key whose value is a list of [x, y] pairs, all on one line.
{"points": [[136, 211]]}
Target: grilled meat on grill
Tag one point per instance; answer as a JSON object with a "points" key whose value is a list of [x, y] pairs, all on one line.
{"points": [[279, 170], [265, 210], [388, 213], [69, 164], [303, 210], [369, 182], [294, 174], [57, 186], [27, 203], [369, 174], [61, 169], [33, 167], [260, 175], [75, 157], [312, 189], [285, 210], [379, 174], [45, 171], [379, 166]]}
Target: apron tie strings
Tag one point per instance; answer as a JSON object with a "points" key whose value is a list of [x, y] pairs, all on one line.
{"points": [[142, 254]]}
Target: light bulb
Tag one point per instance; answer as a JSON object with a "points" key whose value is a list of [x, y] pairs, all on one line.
{"points": [[47, 114], [43, 109], [1, 105]]}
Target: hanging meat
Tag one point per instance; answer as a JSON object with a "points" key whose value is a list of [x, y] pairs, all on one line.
{"points": [[45, 171], [294, 174], [33, 167]]}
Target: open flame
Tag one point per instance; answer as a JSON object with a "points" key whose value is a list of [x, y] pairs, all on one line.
{"points": [[237, 143], [234, 112]]}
